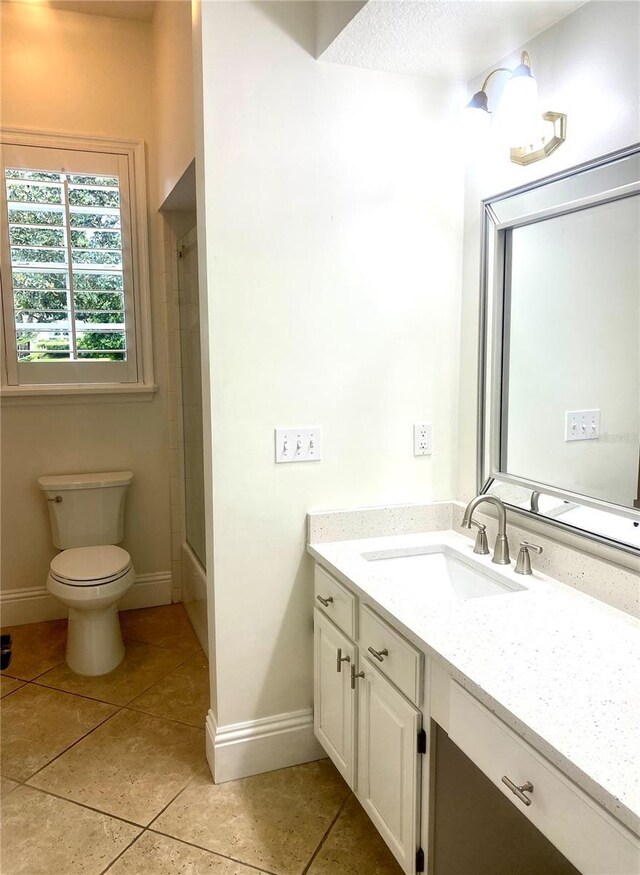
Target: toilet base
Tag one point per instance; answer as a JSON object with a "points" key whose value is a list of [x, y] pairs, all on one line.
{"points": [[94, 641]]}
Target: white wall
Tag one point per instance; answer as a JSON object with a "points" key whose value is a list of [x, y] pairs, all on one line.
{"points": [[587, 66], [173, 92], [330, 220], [85, 74]]}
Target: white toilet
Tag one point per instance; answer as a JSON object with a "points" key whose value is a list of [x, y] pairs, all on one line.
{"points": [[91, 574]]}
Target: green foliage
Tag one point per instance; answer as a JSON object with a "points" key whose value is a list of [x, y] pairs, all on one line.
{"points": [[24, 279], [44, 349], [33, 193], [87, 197], [37, 237], [88, 239], [24, 257], [42, 297]]}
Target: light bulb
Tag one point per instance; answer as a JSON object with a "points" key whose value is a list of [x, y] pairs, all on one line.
{"points": [[520, 117]]}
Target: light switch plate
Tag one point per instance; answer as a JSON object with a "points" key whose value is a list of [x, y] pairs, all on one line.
{"points": [[297, 444], [422, 443], [582, 425]]}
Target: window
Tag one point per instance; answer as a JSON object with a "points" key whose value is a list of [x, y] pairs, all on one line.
{"points": [[73, 274]]}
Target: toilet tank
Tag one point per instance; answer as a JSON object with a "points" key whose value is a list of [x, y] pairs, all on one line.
{"points": [[86, 510]]}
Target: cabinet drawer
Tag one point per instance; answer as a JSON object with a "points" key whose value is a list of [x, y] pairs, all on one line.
{"points": [[584, 832], [402, 663], [335, 601]]}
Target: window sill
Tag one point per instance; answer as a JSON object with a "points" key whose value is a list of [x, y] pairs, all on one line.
{"points": [[77, 393]]}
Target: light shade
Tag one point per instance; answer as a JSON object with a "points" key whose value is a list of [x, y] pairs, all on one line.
{"points": [[519, 111], [475, 127]]}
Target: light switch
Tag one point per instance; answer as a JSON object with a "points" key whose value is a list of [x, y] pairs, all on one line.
{"points": [[298, 444], [582, 425]]}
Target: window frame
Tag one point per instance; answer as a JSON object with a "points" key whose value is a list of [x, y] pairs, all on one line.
{"points": [[136, 385]]}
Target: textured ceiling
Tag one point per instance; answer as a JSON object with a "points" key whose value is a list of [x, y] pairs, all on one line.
{"points": [[442, 39]]}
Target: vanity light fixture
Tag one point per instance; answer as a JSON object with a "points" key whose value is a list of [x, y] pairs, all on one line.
{"points": [[519, 109]]}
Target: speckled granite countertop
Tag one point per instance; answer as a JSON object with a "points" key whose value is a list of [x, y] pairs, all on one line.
{"points": [[561, 668]]}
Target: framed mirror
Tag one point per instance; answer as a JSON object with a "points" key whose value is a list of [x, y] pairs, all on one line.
{"points": [[559, 436]]}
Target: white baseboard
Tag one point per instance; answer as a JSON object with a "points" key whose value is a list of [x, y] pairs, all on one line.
{"points": [[148, 591], [20, 606], [243, 749]]}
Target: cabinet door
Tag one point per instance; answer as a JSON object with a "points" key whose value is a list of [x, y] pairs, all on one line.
{"points": [[334, 701], [389, 764]]}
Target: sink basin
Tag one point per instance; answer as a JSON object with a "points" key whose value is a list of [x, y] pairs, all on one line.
{"points": [[441, 568]]}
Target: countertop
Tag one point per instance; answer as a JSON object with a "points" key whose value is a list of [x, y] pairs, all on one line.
{"points": [[560, 668]]}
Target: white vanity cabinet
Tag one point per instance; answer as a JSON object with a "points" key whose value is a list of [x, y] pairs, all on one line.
{"points": [[366, 716], [389, 765], [334, 716], [551, 778]]}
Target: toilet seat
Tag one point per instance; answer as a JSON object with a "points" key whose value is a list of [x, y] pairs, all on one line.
{"points": [[90, 566]]}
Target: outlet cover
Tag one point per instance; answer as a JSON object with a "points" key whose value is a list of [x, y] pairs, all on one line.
{"points": [[422, 443], [297, 444]]}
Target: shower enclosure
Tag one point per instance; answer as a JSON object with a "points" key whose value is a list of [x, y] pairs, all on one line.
{"points": [[194, 558]]}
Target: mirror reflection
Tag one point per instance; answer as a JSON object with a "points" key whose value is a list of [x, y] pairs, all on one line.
{"points": [[560, 398], [571, 391]]}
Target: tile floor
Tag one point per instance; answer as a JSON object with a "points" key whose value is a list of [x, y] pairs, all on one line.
{"points": [[109, 774]]}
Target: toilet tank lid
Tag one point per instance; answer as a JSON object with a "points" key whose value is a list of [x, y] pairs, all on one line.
{"points": [[60, 482]]}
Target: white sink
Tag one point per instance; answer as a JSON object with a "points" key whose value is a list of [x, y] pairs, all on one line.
{"points": [[441, 568]]}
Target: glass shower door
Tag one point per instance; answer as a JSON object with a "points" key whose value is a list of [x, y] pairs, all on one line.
{"points": [[191, 394]]}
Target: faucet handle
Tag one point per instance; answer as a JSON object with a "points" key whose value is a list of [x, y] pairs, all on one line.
{"points": [[523, 564], [481, 546]]}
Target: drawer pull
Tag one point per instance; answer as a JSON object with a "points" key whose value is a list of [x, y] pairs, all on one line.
{"points": [[379, 654], [519, 791], [326, 602], [340, 659], [355, 674]]}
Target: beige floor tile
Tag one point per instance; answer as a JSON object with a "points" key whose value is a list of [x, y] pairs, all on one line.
{"points": [[8, 685], [164, 626], [182, 695], [354, 847], [38, 724], [7, 785], [130, 767], [42, 835], [143, 665], [273, 821], [37, 647], [154, 854]]}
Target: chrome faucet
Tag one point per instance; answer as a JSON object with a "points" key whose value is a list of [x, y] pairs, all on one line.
{"points": [[501, 549]]}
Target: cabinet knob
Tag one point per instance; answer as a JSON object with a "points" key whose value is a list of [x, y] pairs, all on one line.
{"points": [[378, 654], [354, 675], [519, 791], [340, 659], [326, 602]]}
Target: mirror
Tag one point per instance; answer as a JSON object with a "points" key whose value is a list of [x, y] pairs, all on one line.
{"points": [[560, 436]]}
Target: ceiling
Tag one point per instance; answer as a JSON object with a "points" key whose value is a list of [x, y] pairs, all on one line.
{"points": [[442, 39], [134, 10]]}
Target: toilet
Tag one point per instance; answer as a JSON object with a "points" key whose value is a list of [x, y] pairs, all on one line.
{"points": [[91, 574]]}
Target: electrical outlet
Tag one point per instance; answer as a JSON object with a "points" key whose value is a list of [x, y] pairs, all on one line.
{"points": [[298, 444], [422, 445], [582, 425]]}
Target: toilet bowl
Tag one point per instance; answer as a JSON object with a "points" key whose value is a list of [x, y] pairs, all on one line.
{"points": [[90, 581], [91, 574]]}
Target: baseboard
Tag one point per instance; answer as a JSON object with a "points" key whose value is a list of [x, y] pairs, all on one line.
{"points": [[20, 606], [243, 749], [148, 591]]}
